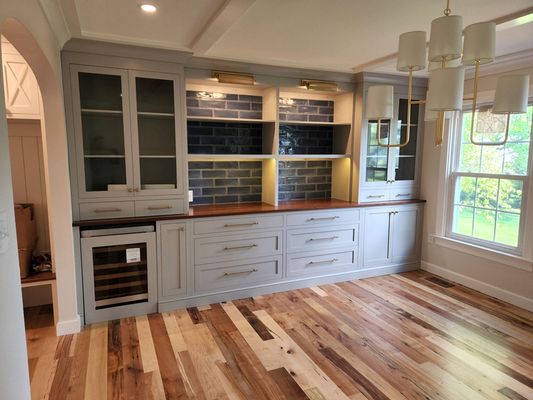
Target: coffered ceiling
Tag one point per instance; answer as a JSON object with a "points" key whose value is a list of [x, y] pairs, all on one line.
{"points": [[335, 35]]}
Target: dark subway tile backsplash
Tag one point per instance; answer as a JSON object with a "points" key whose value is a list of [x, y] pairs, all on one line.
{"points": [[225, 182], [305, 139], [206, 137], [304, 180], [303, 110], [222, 105]]}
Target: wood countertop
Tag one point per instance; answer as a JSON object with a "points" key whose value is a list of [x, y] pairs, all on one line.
{"points": [[243, 209]]}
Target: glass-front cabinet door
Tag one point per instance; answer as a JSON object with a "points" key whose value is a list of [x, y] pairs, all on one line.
{"points": [[102, 128], [395, 164], [154, 126]]}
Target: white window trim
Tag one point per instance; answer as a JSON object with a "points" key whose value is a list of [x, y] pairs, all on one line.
{"points": [[524, 258]]}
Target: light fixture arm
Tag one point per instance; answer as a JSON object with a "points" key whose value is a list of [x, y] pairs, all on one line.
{"points": [[474, 106], [408, 125]]}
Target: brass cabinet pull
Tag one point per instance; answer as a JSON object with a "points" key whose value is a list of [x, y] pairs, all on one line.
{"points": [[131, 190], [250, 271], [152, 208], [325, 238], [243, 224], [107, 210], [250, 246], [375, 196], [403, 194], [333, 260], [323, 218]]}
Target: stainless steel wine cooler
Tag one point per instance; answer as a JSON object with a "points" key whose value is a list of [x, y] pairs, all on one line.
{"points": [[119, 272]]}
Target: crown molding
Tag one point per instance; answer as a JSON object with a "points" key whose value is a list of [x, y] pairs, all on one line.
{"points": [[126, 50], [505, 63]]}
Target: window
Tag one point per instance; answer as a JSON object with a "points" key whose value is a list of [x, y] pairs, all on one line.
{"points": [[488, 183]]}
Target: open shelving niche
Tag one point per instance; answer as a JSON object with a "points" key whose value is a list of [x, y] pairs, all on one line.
{"points": [[340, 154]]}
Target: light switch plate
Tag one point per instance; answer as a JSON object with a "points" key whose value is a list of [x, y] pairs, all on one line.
{"points": [[4, 236]]}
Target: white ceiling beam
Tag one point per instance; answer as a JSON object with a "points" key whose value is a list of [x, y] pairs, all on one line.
{"points": [[221, 21]]}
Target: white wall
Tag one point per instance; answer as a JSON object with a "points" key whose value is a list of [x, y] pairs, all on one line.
{"points": [[24, 24], [499, 280], [27, 169], [14, 375]]}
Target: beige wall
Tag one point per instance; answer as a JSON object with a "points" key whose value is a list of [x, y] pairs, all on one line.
{"points": [[499, 280], [24, 24]]}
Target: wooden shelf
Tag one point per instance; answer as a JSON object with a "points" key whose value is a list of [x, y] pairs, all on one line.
{"points": [[232, 120], [229, 157], [155, 114], [157, 156]]}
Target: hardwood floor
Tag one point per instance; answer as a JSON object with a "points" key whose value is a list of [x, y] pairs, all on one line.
{"points": [[408, 336]]}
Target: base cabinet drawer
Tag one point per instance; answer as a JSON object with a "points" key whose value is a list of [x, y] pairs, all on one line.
{"points": [[321, 263], [111, 209], [316, 239], [159, 207], [222, 225], [374, 195], [314, 218], [235, 247], [405, 193], [236, 275]]}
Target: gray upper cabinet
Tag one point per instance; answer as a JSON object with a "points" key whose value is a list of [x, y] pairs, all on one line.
{"points": [[128, 146], [392, 173]]}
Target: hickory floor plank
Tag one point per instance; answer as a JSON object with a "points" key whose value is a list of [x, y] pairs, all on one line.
{"points": [[406, 336]]}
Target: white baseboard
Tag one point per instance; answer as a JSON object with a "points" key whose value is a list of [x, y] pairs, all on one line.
{"points": [[68, 327], [481, 286]]}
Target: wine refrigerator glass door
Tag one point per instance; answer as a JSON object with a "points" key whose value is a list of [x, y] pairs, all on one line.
{"points": [[119, 276]]}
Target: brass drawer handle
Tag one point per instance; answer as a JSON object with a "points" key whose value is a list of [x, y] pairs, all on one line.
{"points": [[240, 273], [237, 225], [333, 260], [375, 196], [107, 210], [323, 218], [152, 208], [403, 194], [325, 238], [250, 246]]}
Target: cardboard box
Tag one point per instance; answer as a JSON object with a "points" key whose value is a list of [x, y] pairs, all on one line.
{"points": [[26, 236]]}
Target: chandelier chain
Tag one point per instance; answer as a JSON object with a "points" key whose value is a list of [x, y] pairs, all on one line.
{"points": [[447, 10]]}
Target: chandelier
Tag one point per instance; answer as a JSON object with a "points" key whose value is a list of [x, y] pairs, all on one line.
{"points": [[446, 76]]}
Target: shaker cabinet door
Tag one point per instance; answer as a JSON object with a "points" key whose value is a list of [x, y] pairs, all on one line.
{"points": [[102, 132], [172, 260], [376, 247], [405, 228]]}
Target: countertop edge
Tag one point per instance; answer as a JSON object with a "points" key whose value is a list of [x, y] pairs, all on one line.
{"points": [[242, 209]]}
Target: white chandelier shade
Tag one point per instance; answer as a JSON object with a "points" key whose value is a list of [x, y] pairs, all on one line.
{"points": [[446, 87], [430, 115], [380, 102], [479, 43], [511, 94], [446, 38], [412, 51]]}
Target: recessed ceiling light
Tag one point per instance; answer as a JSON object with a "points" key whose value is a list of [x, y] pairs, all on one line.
{"points": [[148, 8]]}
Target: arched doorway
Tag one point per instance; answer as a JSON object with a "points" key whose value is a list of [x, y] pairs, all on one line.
{"points": [[56, 170]]}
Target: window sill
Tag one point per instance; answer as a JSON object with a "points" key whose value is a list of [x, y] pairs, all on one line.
{"points": [[489, 254]]}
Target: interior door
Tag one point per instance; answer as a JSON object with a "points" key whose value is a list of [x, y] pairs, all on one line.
{"points": [[377, 238], [103, 134], [405, 228], [155, 104]]}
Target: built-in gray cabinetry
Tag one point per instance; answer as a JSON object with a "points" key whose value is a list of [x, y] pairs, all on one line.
{"points": [[127, 140], [391, 173], [204, 260], [392, 235]]}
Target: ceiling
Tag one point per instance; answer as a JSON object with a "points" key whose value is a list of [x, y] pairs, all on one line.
{"points": [[334, 35]]}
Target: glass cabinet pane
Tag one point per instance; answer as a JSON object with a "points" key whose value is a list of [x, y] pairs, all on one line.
{"points": [[102, 133], [377, 157], [120, 274], [156, 132], [405, 157]]}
